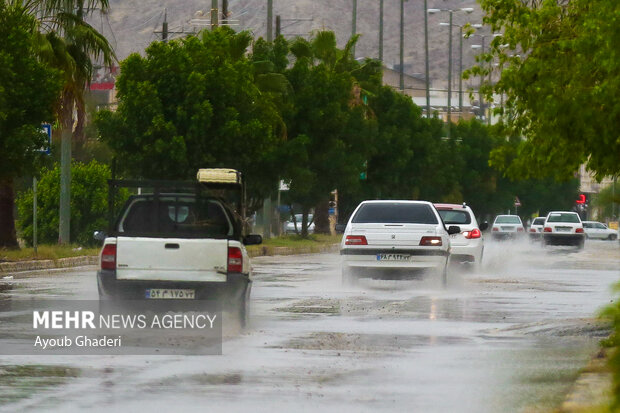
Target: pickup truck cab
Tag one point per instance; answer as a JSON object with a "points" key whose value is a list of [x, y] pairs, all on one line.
{"points": [[179, 241]]}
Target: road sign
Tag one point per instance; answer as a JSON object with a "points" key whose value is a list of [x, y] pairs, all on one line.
{"points": [[47, 129]]}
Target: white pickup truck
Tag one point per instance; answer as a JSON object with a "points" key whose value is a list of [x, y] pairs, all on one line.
{"points": [[180, 241]]}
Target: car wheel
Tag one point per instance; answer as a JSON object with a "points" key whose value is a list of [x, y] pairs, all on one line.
{"points": [[612, 237], [443, 274]]}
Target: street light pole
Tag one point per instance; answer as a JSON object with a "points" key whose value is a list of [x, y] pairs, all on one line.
{"points": [[354, 24], [450, 74], [381, 30], [428, 85], [402, 45], [460, 71]]}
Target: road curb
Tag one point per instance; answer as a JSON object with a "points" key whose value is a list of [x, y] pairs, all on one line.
{"points": [[7, 268], [19, 266]]}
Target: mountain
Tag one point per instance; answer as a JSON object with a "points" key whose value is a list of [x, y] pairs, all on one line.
{"points": [[131, 25]]}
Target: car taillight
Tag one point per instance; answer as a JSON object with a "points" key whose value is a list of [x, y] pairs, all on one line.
{"points": [[108, 257], [532, 229], [235, 259], [355, 240], [431, 241], [579, 230], [520, 229], [474, 233], [547, 229], [495, 229]]}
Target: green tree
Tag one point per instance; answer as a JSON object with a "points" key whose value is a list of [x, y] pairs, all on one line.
{"points": [[560, 74], [89, 204], [329, 127], [190, 104], [28, 89]]}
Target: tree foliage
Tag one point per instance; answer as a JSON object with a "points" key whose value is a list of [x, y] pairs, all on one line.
{"points": [[89, 204], [560, 74], [28, 90], [190, 104]]}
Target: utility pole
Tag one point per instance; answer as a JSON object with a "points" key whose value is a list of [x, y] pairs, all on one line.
{"points": [[402, 45], [450, 76], [164, 27], [269, 20], [381, 30], [482, 110], [428, 84], [278, 26], [224, 12], [214, 14], [64, 224], [354, 25], [460, 71]]}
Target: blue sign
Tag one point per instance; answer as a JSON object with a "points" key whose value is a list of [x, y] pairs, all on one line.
{"points": [[47, 129], [332, 211]]}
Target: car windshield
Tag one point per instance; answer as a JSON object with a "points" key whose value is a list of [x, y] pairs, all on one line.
{"points": [[178, 216], [539, 221], [450, 216], [563, 217], [508, 219], [395, 213]]}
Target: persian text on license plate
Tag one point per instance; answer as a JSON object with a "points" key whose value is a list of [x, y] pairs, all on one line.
{"points": [[170, 294], [393, 257], [563, 229]]}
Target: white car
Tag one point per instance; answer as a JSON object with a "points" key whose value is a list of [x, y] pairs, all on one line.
{"points": [[289, 226], [179, 242], [468, 245], [383, 237], [507, 226], [598, 230], [536, 228], [563, 228]]}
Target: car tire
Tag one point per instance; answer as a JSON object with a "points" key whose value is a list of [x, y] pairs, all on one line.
{"points": [[612, 237], [443, 275]]}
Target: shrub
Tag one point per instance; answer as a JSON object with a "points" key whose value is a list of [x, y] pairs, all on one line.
{"points": [[89, 204]]}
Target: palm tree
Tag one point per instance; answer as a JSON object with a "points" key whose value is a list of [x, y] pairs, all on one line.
{"points": [[68, 43]]}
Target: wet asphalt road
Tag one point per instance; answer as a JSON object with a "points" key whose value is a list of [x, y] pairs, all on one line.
{"points": [[509, 337]]}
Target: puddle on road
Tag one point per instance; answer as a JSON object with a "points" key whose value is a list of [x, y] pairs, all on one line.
{"points": [[377, 343], [21, 381]]}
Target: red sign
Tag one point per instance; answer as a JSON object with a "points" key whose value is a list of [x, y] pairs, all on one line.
{"points": [[581, 199]]}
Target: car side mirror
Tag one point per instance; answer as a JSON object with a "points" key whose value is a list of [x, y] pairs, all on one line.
{"points": [[340, 228], [99, 236], [453, 229], [484, 226], [252, 239]]}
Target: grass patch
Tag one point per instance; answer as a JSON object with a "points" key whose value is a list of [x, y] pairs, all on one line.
{"points": [[314, 241], [46, 252]]}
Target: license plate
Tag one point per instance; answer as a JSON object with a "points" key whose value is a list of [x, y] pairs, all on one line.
{"points": [[169, 294], [508, 228], [563, 229], [393, 257]]}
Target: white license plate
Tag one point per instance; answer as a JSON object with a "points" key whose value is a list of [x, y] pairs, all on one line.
{"points": [[169, 294], [562, 229], [393, 257]]}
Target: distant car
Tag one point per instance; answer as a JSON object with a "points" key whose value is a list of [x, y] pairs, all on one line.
{"points": [[598, 230], [468, 245], [536, 229], [507, 226], [563, 228], [289, 227], [383, 238]]}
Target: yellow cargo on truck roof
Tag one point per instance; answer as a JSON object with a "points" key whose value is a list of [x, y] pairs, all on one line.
{"points": [[219, 176]]}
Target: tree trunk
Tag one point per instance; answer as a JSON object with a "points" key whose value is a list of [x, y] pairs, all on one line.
{"points": [[304, 222], [321, 218], [8, 237]]}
